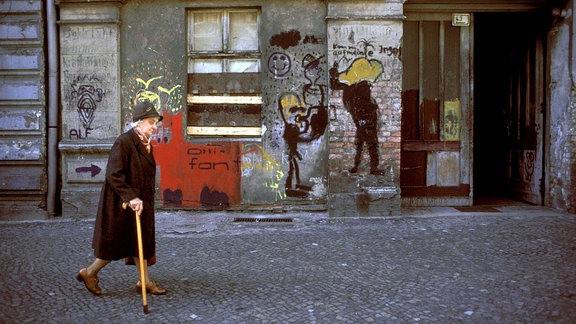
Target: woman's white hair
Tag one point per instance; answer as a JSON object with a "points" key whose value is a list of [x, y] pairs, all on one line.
{"points": [[132, 124]]}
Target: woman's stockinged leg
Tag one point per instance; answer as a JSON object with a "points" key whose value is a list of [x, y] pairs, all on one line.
{"points": [[89, 276], [96, 266], [151, 286], [145, 275]]}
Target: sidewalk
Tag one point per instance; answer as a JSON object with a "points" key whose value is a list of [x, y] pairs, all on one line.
{"points": [[509, 264]]}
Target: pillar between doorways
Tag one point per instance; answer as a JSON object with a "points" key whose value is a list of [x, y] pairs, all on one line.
{"points": [[364, 42], [90, 99]]}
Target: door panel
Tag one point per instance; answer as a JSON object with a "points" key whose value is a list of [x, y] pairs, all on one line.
{"points": [[526, 118], [509, 101], [435, 161]]}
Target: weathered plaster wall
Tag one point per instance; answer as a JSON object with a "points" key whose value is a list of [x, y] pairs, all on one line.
{"points": [[294, 65], [288, 166], [90, 98], [330, 75], [571, 190], [312, 52], [234, 173], [562, 116]]}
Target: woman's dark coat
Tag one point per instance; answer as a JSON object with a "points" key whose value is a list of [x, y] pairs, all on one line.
{"points": [[130, 173]]}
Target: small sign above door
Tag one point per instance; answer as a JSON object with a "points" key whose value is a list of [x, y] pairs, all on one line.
{"points": [[460, 19]]}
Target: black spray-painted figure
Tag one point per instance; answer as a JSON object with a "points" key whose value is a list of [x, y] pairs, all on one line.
{"points": [[357, 99], [304, 121], [301, 125]]}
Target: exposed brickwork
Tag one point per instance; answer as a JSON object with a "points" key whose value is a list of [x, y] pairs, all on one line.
{"points": [[364, 188]]}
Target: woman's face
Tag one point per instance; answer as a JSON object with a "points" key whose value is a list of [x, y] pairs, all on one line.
{"points": [[148, 126]]}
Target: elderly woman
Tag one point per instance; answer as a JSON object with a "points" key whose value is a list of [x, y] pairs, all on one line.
{"points": [[130, 181]]}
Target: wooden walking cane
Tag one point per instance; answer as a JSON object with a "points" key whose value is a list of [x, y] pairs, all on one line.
{"points": [[140, 259]]}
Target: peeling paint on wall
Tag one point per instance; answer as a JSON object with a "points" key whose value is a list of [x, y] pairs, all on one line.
{"points": [[196, 175]]}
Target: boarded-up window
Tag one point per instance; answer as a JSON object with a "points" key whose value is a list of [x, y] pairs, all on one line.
{"points": [[224, 96]]}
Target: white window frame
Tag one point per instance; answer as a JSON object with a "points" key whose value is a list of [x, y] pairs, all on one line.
{"points": [[225, 55]]}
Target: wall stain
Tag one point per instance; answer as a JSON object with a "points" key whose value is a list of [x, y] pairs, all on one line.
{"points": [[286, 39]]}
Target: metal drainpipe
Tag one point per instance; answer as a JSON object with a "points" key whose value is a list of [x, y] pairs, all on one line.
{"points": [[53, 109]]}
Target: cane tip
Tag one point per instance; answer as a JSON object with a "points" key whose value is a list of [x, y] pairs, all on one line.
{"points": [[145, 309]]}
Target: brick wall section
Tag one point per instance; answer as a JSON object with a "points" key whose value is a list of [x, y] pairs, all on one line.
{"points": [[342, 132], [354, 44], [363, 194]]}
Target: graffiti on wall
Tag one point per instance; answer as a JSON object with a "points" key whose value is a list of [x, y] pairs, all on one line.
{"points": [[93, 169], [88, 62], [352, 46], [196, 175], [153, 81], [254, 157], [279, 64], [303, 111], [529, 164], [86, 94], [191, 175], [302, 124], [286, 39], [160, 97], [356, 81]]}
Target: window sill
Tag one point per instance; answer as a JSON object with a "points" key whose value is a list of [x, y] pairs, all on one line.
{"points": [[222, 131], [242, 100]]}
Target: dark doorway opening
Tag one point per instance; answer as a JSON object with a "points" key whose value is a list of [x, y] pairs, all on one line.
{"points": [[508, 85]]}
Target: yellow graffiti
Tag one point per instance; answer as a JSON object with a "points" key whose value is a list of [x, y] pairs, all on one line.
{"points": [[147, 83], [274, 184], [168, 91], [291, 100], [362, 70], [146, 94], [144, 85], [268, 164], [293, 109]]}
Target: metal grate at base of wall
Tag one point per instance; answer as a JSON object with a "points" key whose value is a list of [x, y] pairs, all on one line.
{"points": [[262, 220]]}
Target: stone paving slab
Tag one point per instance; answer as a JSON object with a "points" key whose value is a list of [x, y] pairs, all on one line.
{"points": [[435, 266]]}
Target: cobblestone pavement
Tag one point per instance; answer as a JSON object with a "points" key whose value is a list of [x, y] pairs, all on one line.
{"points": [[428, 266]]}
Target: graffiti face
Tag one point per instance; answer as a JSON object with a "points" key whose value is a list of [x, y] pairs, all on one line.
{"points": [[279, 64], [87, 98], [312, 68], [313, 74]]}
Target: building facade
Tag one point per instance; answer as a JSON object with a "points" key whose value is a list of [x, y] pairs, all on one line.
{"points": [[354, 107]]}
